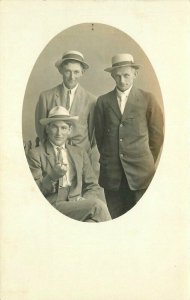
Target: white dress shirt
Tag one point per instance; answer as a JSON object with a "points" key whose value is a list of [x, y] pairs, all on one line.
{"points": [[66, 177], [122, 98], [72, 93]]}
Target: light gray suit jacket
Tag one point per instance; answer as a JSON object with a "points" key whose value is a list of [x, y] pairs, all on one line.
{"points": [[83, 182], [82, 106]]}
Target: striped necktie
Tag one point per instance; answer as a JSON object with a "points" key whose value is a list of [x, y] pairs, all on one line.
{"points": [[63, 181], [60, 160], [59, 155], [68, 100]]}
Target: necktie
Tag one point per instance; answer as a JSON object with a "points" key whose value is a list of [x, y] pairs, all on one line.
{"points": [[122, 101], [59, 155], [63, 190], [68, 100], [63, 181]]}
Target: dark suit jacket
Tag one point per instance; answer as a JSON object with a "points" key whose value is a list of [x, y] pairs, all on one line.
{"points": [[129, 142], [83, 182], [82, 106]]}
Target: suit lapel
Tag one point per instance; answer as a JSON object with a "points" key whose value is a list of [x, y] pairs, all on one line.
{"points": [[113, 103], [50, 154], [51, 158], [49, 151], [73, 164], [131, 103], [78, 101], [60, 99]]}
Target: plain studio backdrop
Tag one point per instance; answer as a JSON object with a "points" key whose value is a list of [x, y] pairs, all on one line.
{"points": [[142, 255], [98, 43]]}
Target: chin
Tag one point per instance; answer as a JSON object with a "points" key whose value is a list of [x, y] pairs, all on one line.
{"points": [[71, 85], [123, 88], [59, 143]]}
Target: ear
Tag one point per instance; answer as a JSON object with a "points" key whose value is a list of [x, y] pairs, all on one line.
{"points": [[112, 75], [47, 128], [82, 71], [70, 130], [61, 68], [135, 73]]}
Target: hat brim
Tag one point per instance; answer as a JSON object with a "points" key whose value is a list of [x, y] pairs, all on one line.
{"points": [[68, 119], [60, 61], [135, 66]]}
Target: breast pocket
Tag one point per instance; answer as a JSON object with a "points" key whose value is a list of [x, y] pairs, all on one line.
{"points": [[131, 127], [142, 126], [135, 125]]}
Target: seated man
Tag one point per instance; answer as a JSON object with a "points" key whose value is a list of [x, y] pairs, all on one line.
{"points": [[64, 173]]}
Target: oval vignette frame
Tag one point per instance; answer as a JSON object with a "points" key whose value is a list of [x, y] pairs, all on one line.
{"points": [[98, 43]]}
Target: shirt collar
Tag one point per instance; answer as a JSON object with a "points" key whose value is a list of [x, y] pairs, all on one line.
{"points": [[72, 90], [55, 146], [126, 93]]}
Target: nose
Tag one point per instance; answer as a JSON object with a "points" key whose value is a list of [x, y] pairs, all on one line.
{"points": [[122, 80], [58, 131], [71, 77]]}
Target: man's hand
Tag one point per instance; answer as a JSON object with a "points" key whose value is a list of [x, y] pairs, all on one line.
{"points": [[80, 198], [58, 171]]}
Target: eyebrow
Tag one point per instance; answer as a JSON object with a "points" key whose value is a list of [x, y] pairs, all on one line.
{"points": [[64, 125], [122, 74]]}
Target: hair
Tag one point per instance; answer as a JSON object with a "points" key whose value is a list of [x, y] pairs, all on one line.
{"points": [[132, 67], [72, 61], [67, 122]]}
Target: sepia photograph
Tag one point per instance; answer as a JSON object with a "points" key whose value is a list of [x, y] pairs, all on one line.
{"points": [[97, 83], [94, 129]]}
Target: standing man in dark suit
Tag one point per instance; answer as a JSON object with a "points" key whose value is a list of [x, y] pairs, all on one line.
{"points": [[71, 95], [129, 135], [64, 173]]}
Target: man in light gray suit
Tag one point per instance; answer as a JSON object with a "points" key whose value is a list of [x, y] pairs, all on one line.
{"points": [[129, 135], [71, 95], [63, 172]]}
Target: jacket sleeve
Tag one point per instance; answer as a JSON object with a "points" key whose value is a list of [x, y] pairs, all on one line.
{"points": [[44, 182], [91, 130], [99, 123], [90, 187], [40, 112], [155, 127]]}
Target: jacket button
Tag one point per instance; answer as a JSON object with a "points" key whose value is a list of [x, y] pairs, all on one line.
{"points": [[121, 140], [121, 125], [121, 155]]}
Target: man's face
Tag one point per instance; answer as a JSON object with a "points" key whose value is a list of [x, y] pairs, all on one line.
{"points": [[124, 77], [71, 72], [58, 131]]}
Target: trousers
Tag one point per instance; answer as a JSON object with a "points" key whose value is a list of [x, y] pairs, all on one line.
{"points": [[85, 210], [122, 200]]}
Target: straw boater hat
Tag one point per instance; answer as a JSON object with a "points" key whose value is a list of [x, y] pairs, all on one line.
{"points": [[122, 60], [74, 55], [58, 113]]}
